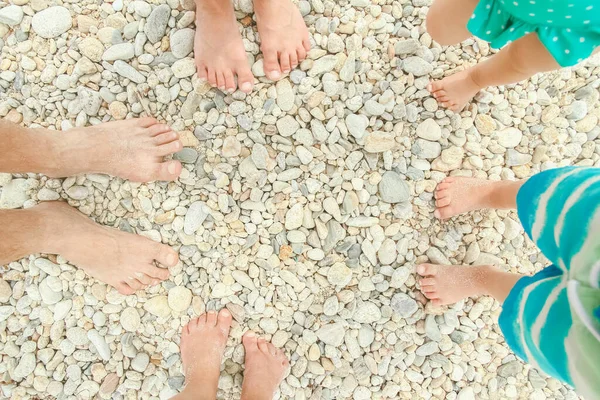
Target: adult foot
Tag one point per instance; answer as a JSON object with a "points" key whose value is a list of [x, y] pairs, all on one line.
{"points": [[284, 38], [133, 149], [218, 47], [203, 342], [454, 91], [265, 368], [123, 260], [448, 284]]}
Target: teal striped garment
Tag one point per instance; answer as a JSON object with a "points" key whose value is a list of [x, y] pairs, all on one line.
{"points": [[552, 319]]}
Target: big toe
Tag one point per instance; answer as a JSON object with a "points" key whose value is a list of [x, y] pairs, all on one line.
{"points": [[245, 79], [250, 341], [427, 270], [444, 212], [224, 321], [168, 171], [271, 65], [435, 86]]}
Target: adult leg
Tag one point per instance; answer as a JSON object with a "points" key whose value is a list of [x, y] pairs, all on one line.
{"points": [[123, 260], [203, 342], [133, 149], [516, 62], [218, 47], [447, 284], [457, 195], [447, 20], [283, 36]]}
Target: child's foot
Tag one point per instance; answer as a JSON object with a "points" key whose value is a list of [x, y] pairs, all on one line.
{"points": [[283, 36], [203, 342], [218, 47], [265, 368], [454, 91], [448, 284], [457, 195]]}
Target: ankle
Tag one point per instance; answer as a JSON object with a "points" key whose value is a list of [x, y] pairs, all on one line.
{"points": [[213, 7], [475, 77]]}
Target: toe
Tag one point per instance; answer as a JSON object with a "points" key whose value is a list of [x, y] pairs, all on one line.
{"points": [[250, 341], [427, 282], [202, 320], [437, 302], [229, 81], [135, 284], [212, 77], [166, 137], [427, 270], [443, 185], [165, 255], [306, 43], [444, 212], [146, 121], [301, 54], [443, 202], [441, 193], [211, 318], [431, 294], [156, 273], [145, 279], [271, 65], [435, 86], [284, 62], [224, 321], [443, 99], [157, 129], [169, 148], [245, 79], [221, 80], [125, 289], [168, 171], [293, 59], [202, 72], [262, 345], [439, 94], [272, 349]]}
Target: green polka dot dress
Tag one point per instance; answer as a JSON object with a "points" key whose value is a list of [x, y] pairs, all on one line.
{"points": [[570, 29]]}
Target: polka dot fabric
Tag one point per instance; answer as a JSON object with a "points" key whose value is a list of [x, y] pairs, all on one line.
{"points": [[569, 29]]}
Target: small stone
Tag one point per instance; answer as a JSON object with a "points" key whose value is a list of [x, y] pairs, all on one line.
{"points": [[285, 95], [182, 42], [426, 149], [332, 334], [322, 65], [231, 147], [357, 125], [403, 305], [26, 366], [92, 48], [287, 126], [429, 130], [130, 319], [180, 298], [5, 291], [509, 137], [417, 66], [51, 22], [367, 313], [378, 142], [393, 189], [339, 274], [158, 306], [186, 155], [405, 47], [14, 194], [184, 68], [511, 368], [100, 344], [11, 15], [195, 216], [127, 71], [121, 51], [118, 110], [387, 253], [156, 24], [140, 362], [294, 217]]}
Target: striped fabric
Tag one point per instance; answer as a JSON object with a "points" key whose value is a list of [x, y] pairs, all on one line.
{"points": [[552, 319]]}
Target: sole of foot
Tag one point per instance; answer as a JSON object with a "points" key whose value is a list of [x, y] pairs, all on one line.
{"points": [[133, 149], [123, 260], [218, 48], [283, 36], [448, 284], [457, 195], [265, 368], [203, 341], [454, 92]]}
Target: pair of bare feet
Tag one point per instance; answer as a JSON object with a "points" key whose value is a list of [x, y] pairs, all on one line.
{"points": [[219, 50], [447, 284], [203, 342], [132, 149]]}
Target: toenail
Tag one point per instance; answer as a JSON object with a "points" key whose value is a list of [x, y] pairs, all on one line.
{"points": [[172, 168], [231, 90], [275, 74], [222, 87], [287, 71], [246, 86], [171, 257], [421, 269], [250, 334], [226, 313]]}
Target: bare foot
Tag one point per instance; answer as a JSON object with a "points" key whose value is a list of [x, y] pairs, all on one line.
{"points": [[203, 342], [454, 91], [457, 195], [448, 284], [218, 47], [133, 149], [283, 36], [265, 368], [120, 259]]}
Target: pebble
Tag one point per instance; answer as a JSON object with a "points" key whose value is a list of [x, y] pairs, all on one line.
{"points": [[179, 298], [158, 306], [14, 194], [120, 51], [182, 42], [51, 22], [11, 15], [195, 216], [157, 23], [129, 72], [184, 68], [332, 334], [130, 319], [417, 66], [403, 305], [357, 125], [393, 189]]}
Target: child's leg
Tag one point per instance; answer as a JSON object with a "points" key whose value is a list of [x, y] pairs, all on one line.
{"points": [[457, 195], [516, 62], [447, 284], [447, 20]]}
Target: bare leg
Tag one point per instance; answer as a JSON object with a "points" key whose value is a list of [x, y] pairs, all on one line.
{"points": [[447, 20], [516, 62], [266, 367], [447, 284], [283, 36], [457, 195], [203, 342], [122, 260], [218, 47], [133, 149]]}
